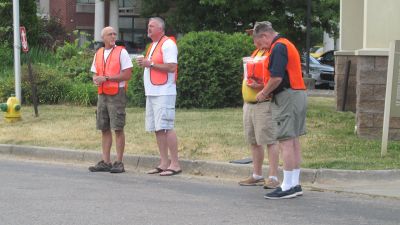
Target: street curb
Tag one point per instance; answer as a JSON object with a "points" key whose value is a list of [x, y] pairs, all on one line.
{"points": [[359, 175], [195, 167]]}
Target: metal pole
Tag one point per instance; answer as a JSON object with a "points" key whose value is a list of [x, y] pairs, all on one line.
{"points": [[308, 37], [17, 53]]}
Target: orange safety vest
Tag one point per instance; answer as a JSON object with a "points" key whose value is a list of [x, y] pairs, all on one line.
{"points": [[112, 67], [158, 77], [293, 66]]}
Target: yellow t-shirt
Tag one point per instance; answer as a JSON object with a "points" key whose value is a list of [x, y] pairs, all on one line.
{"points": [[249, 94]]}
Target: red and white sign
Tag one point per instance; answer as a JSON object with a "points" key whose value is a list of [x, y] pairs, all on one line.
{"points": [[24, 39]]}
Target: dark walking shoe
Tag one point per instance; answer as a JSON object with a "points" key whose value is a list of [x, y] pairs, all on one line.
{"points": [[298, 190], [117, 167], [100, 167], [279, 194]]}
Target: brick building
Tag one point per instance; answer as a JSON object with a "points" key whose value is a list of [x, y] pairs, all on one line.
{"points": [[90, 16], [366, 29]]}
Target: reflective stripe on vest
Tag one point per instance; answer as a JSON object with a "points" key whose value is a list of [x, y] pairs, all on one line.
{"points": [[293, 66], [112, 67], [158, 77]]}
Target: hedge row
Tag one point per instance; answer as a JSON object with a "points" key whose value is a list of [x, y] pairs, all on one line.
{"points": [[52, 87], [210, 73]]}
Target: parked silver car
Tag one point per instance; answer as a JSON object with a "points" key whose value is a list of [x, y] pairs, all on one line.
{"points": [[324, 75]]}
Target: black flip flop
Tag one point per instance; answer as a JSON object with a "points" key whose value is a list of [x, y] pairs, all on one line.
{"points": [[173, 172], [155, 171]]}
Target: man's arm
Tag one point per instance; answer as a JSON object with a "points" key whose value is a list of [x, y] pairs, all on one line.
{"points": [[167, 67], [277, 68], [170, 58], [272, 84], [170, 66], [125, 75]]}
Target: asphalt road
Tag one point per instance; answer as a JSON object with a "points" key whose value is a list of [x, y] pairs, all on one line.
{"points": [[41, 193]]}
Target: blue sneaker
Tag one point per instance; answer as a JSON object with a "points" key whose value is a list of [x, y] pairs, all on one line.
{"points": [[279, 194], [298, 190]]}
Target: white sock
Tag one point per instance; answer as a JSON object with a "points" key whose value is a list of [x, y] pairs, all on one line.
{"points": [[296, 177], [257, 177], [273, 178], [287, 180]]}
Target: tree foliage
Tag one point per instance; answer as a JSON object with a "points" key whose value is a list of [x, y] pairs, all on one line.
{"points": [[41, 32], [28, 18], [287, 16]]}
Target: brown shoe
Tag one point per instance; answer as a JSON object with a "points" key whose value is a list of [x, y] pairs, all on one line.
{"points": [[250, 181], [271, 184], [117, 167], [101, 167]]}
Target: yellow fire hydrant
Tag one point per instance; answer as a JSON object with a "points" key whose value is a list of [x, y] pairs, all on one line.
{"points": [[12, 109]]}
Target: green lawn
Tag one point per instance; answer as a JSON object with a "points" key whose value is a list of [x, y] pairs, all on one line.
{"points": [[213, 134]]}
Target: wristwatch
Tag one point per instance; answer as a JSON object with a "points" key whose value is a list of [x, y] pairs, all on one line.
{"points": [[152, 64]]}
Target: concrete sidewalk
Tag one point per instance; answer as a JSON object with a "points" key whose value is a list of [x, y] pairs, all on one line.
{"points": [[384, 183]]}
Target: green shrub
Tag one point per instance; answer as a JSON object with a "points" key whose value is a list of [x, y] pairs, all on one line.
{"points": [[82, 94], [210, 69], [7, 87], [39, 55], [67, 51], [52, 85], [209, 74], [6, 56], [135, 91], [75, 61], [7, 72]]}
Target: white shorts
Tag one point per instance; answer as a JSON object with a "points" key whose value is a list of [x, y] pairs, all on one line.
{"points": [[160, 112]]}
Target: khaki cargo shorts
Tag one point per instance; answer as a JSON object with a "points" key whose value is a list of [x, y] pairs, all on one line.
{"points": [[160, 112], [110, 113], [259, 127], [289, 110]]}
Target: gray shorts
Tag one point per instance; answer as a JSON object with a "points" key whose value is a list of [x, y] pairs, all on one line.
{"points": [[259, 128], [110, 113], [289, 110], [160, 112]]}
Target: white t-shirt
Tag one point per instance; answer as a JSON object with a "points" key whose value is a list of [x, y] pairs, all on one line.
{"points": [[170, 55], [124, 58]]}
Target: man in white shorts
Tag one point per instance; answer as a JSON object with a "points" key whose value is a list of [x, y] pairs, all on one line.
{"points": [[160, 66]]}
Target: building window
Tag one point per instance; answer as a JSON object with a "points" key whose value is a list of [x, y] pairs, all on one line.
{"points": [[85, 1], [126, 3], [133, 33]]}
